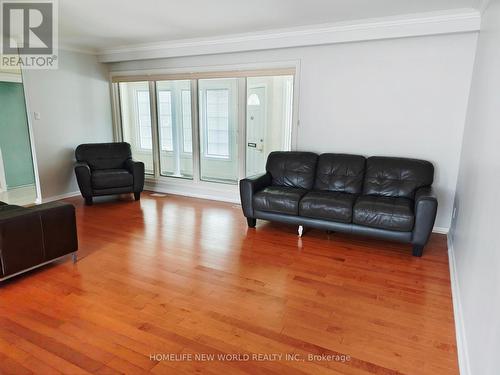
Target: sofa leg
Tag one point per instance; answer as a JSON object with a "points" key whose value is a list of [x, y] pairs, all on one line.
{"points": [[74, 257], [137, 196], [251, 222], [418, 250], [88, 201]]}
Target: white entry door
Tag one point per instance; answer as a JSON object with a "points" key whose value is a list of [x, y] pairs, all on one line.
{"points": [[256, 130]]}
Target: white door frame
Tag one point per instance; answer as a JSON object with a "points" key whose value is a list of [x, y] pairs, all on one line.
{"points": [[3, 181], [38, 190]]}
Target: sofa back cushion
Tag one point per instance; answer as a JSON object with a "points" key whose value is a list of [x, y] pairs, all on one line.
{"points": [[340, 172], [396, 177], [292, 168], [104, 155]]}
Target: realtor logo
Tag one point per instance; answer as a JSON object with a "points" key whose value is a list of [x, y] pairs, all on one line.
{"points": [[29, 34]]}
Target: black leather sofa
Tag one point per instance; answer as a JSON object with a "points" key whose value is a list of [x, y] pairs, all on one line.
{"points": [[385, 197], [34, 236], [106, 169]]}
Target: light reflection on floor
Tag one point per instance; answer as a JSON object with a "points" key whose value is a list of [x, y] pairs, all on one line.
{"points": [[21, 196]]}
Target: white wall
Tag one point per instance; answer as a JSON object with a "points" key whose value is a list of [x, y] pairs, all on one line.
{"points": [[403, 97], [74, 105], [474, 232]]}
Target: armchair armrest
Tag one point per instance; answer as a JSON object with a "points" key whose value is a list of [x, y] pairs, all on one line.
{"points": [[82, 172], [425, 214], [248, 187], [137, 170], [32, 236]]}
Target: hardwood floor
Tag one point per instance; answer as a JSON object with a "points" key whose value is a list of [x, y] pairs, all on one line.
{"points": [[174, 276]]}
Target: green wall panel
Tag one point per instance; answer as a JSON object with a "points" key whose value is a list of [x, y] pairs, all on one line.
{"points": [[14, 136]]}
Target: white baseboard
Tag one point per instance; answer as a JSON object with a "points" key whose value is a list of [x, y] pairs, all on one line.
{"points": [[61, 196], [213, 195], [463, 355], [441, 230]]}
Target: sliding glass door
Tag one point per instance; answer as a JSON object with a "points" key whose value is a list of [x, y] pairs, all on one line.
{"points": [[208, 130]]}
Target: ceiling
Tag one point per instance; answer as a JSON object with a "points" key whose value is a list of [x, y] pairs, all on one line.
{"points": [[103, 24]]}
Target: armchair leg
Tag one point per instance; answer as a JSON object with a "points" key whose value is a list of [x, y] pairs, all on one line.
{"points": [[137, 196], [251, 222], [88, 201], [418, 250]]}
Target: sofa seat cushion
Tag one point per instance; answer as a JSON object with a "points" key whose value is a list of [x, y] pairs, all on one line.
{"points": [[328, 205], [390, 213], [111, 178], [280, 199]]}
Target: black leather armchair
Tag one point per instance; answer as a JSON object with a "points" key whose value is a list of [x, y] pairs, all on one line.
{"points": [[108, 168], [384, 197]]}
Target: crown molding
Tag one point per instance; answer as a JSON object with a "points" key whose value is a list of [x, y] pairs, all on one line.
{"points": [[71, 48], [419, 24], [482, 5]]}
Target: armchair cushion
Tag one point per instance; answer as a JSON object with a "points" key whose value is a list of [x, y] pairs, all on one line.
{"points": [[111, 178]]}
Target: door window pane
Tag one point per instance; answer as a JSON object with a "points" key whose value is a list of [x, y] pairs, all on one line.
{"points": [[218, 112], [174, 119], [217, 123], [269, 119], [135, 113]]}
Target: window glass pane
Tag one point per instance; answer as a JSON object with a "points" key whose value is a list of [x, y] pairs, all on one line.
{"points": [[135, 114], [187, 132], [174, 121], [165, 119], [218, 111], [269, 119]]}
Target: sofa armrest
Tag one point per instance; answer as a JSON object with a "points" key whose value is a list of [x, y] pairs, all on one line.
{"points": [[248, 187], [137, 170], [35, 235], [82, 172], [425, 214]]}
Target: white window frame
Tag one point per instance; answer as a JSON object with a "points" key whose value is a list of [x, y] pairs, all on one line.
{"points": [[197, 187]]}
